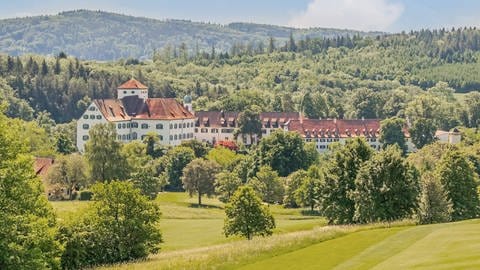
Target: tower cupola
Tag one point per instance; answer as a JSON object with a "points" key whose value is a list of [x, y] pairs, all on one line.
{"points": [[132, 88]]}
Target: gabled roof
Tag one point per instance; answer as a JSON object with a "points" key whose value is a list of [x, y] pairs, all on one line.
{"points": [[41, 166], [336, 128], [132, 84], [132, 107], [229, 119]]}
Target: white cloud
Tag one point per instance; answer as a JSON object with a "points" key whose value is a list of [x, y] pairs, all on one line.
{"points": [[364, 15]]}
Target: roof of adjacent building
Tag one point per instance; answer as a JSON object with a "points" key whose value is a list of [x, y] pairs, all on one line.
{"points": [[132, 84], [336, 128], [229, 119], [133, 107], [41, 165]]}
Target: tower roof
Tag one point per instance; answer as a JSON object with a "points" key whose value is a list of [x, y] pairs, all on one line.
{"points": [[132, 84]]}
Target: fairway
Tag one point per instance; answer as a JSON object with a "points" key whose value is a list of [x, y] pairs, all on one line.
{"points": [[184, 225], [441, 246]]}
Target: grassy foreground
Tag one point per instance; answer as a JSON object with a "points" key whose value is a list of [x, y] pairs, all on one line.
{"points": [[193, 240], [184, 225]]}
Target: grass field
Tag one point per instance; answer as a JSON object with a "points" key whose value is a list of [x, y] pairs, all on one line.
{"points": [[193, 240], [441, 246], [184, 225]]}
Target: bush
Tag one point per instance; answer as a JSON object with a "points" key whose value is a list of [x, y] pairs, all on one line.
{"points": [[120, 225], [85, 195]]}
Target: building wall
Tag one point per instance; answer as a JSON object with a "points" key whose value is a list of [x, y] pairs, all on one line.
{"points": [[89, 118], [170, 132]]}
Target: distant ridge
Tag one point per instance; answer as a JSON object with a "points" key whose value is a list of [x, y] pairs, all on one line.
{"points": [[103, 35]]}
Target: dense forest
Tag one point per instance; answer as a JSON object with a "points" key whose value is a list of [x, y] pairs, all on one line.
{"points": [[108, 36], [345, 77]]}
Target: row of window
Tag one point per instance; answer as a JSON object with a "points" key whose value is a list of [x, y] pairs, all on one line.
{"points": [[157, 126], [92, 116], [333, 140], [134, 136], [215, 130]]}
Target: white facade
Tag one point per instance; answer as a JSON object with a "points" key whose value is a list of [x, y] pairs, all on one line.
{"points": [[141, 93], [170, 132]]}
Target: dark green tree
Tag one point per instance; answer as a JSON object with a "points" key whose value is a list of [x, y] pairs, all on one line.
{"points": [[268, 185], [391, 132], [283, 151], [386, 188], [423, 132], [337, 203], [307, 194], [28, 224], [293, 182], [246, 216], [460, 184], [176, 160], [120, 225], [103, 155], [226, 183], [249, 123], [199, 178], [434, 205]]}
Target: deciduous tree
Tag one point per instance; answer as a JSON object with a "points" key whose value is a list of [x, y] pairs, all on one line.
{"points": [[199, 177], [246, 216]]}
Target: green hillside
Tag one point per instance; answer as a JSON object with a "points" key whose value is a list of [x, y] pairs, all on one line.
{"points": [[106, 36]]}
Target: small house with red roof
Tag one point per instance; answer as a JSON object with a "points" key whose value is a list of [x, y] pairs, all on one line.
{"points": [[134, 115]]}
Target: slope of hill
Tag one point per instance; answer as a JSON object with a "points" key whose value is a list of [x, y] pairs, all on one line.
{"points": [[107, 36]]}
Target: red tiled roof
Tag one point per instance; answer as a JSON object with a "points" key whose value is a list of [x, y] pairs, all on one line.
{"points": [[229, 119], [132, 107], [336, 128], [132, 84], [41, 165]]}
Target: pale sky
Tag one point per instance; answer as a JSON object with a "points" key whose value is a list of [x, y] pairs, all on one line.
{"points": [[384, 15]]}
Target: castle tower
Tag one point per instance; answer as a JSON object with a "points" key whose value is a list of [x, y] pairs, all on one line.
{"points": [[132, 88], [187, 103]]}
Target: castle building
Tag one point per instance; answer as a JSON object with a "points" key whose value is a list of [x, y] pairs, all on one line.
{"points": [[216, 126], [324, 132], [134, 115]]}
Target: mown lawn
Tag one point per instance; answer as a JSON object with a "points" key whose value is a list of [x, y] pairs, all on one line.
{"points": [[441, 246], [185, 225]]}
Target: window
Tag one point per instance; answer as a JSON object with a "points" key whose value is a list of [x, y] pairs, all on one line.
{"points": [[227, 130], [124, 125], [134, 135], [134, 125], [124, 137], [85, 116], [373, 140], [99, 117], [144, 126], [214, 130], [184, 125], [175, 126], [119, 126], [196, 130], [203, 130], [128, 136], [159, 126], [264, 131], [160, 137], [171, 137], [322, 147], [92, 116], [85, 137], [133, 92], [85, 126], [188, 125], [124, 92], [175, 137], [128, 125], [184, 135], [329, 140], [91, 108]]}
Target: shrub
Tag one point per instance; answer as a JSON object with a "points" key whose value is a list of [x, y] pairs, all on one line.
{"points": [[120, 225], [85, 195]]}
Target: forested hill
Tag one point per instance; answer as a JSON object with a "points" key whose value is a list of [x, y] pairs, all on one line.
{"points": [[106, 36]]}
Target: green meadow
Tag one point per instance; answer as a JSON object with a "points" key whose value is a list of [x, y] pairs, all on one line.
{"points": [[193, 239]]}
